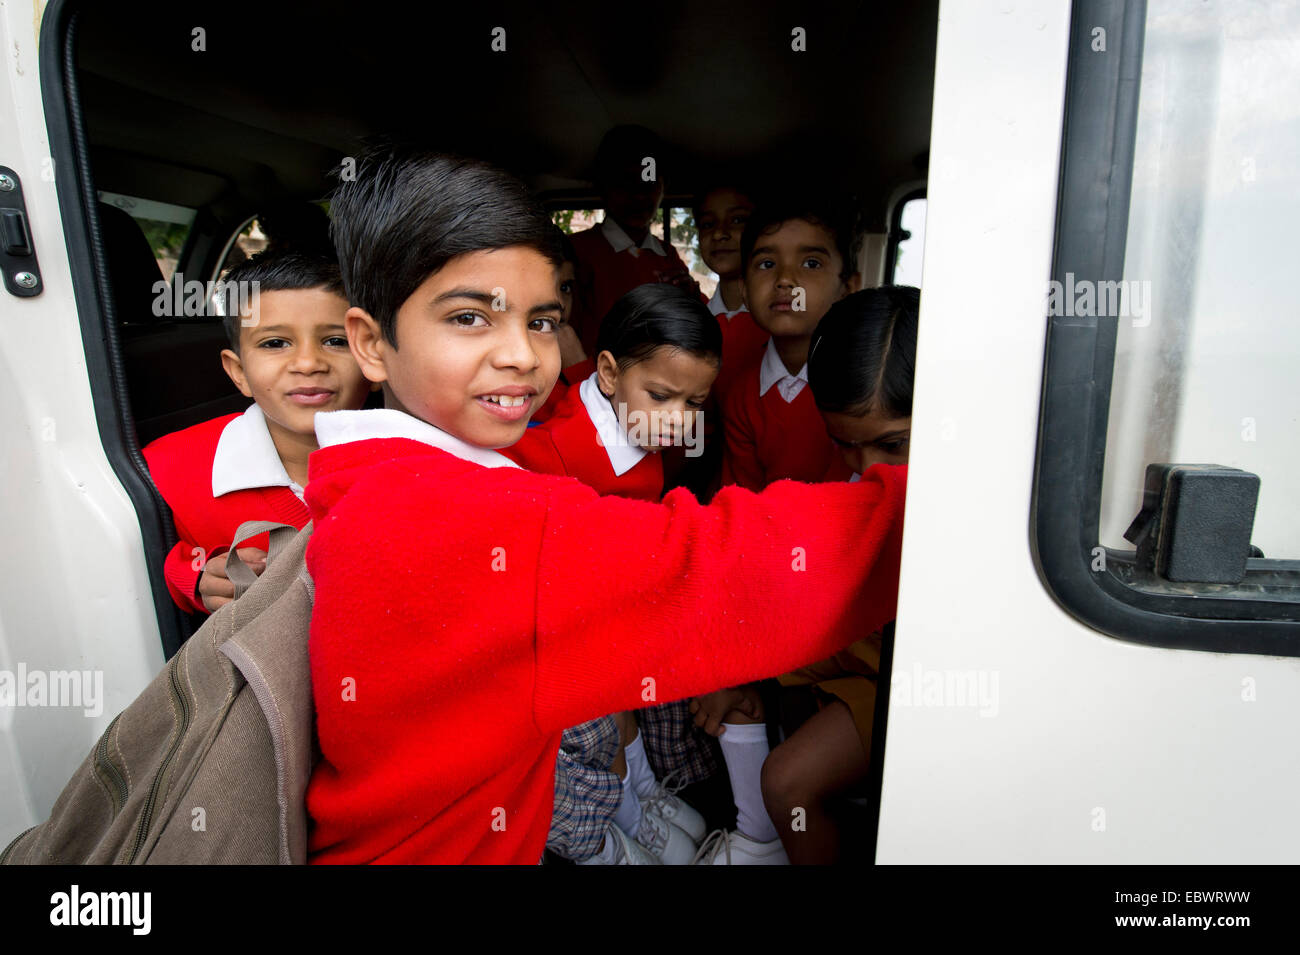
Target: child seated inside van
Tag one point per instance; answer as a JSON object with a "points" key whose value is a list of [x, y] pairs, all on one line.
{"points": [[467, 610], [860, 369], [800, 258], [721, 214], [289, 353], [621, 252], [657, 354]]}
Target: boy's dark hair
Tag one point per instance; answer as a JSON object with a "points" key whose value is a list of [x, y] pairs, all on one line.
{"points": [[863, 353], [401, 213], [838, 216], [624, 146], [656, 315], [273, 271]]}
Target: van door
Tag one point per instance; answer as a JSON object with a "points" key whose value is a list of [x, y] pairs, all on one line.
{"points": [[79, 637]]}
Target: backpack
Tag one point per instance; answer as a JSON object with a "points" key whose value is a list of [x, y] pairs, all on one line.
{"points": [[210, 763]]}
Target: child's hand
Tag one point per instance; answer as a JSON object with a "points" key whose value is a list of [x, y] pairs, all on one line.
{"points": [[570, 346], [711, 709], [215, 587]]}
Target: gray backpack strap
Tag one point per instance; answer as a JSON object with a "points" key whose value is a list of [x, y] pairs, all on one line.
{"points": [[240, 574]]}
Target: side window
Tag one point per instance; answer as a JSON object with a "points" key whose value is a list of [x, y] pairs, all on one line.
{"points": [[681, 231], [1167, 468], [243, 245], [165, 226], [907, 239]]}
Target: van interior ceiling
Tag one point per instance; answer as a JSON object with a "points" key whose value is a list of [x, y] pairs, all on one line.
{"points": [[281, 92]]}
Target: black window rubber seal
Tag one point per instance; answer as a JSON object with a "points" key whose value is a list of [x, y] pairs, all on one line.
{"points": [[896, 231], [95, 307], [1096, 172]]}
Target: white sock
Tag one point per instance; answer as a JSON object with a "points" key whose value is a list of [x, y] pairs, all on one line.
{"points": [[638, 768], [628, 816], [744, 747]]}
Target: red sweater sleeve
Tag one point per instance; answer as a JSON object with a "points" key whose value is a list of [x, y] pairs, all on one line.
{"points": [[182, 578], [740, 464], [702, 597]]}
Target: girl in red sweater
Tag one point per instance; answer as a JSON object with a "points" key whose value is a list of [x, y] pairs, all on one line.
{"points": [[466, 610], [860, 369]]}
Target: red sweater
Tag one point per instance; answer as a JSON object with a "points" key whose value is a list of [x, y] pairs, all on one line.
{"points": [[742, 345], [604, 276], [769, 439], [464, 616], [570, 377], [567, 444], [180, 464]]}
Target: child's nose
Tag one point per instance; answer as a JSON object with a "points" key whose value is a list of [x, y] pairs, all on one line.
{"points": [[308, 358], [516, 350]]}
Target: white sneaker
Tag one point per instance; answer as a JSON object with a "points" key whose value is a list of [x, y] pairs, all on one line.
{"points": [[662, 839], [626, 851], [732, 848], [666, 804]]}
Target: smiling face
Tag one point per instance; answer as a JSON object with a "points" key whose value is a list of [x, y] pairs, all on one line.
{"points": [[870, 438], [664, 393], [798, 254], [476, 352], [295, 361], [721, 220]]}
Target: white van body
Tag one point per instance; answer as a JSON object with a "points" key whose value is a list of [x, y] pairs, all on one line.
{"points": [[1016, 733]]}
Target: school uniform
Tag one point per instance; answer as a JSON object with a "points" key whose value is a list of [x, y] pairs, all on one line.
{"points": [[609, 265], [570, 377], [772, 428], [467, 611], [584, 439], [742, 343], [215, 476]]}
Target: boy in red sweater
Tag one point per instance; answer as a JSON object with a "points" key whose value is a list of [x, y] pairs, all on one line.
{"points": [[289, 353], [800, 258], [466, 611], [621, 252]]}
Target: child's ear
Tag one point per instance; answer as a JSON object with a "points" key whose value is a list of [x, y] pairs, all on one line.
{"points": [[366, 341], [852, 284], [235, 369], [606, 373]]}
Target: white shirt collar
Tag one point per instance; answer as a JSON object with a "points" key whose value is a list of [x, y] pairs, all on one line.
{"points": [[623, 454], [620, 241], [718, 307], [773, 372], [341, 427], [246, 457]]}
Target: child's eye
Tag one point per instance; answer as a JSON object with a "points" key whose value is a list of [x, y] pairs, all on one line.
{"points": [[468, 319], [657, 397], [551, 324], [695, 404], [566, 287], [739, 220], [893, 447], [811, 263], [337, 341], [764, 264], [272, 343]]}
